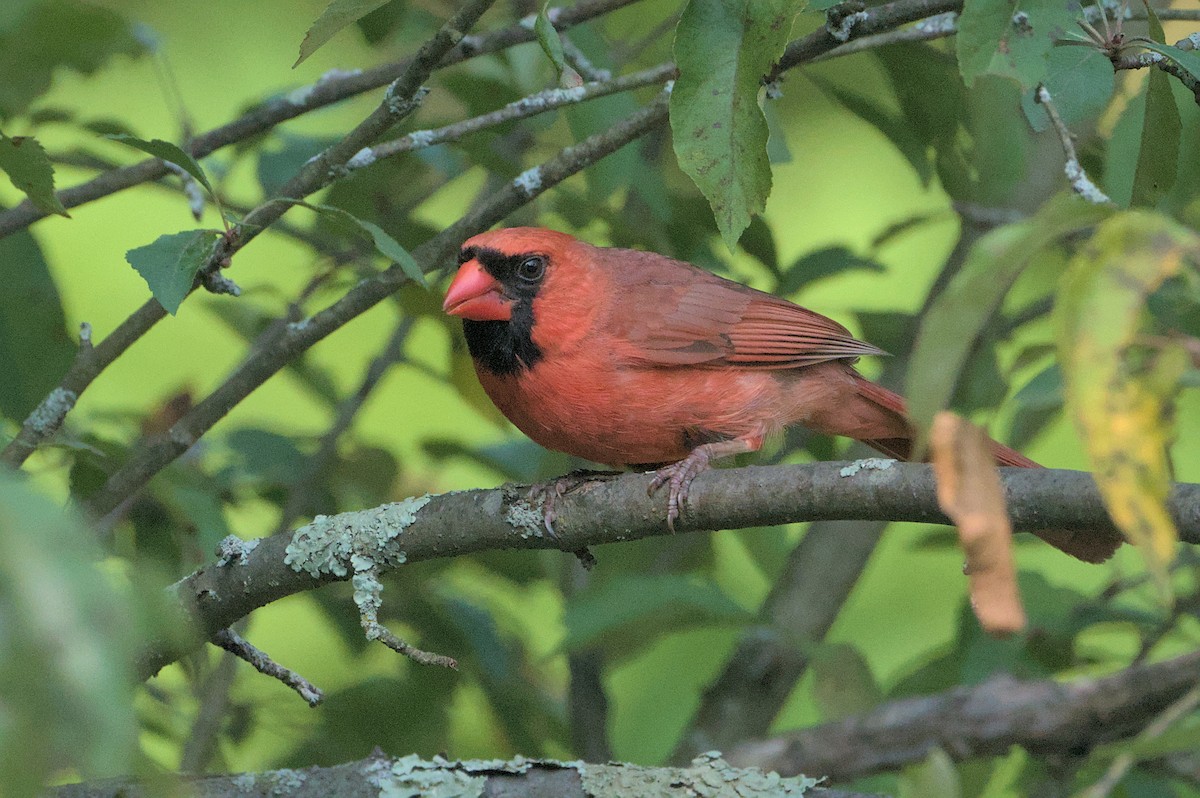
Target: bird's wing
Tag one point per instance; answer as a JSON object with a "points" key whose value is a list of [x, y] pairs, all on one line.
{"points": [[672, 313]]}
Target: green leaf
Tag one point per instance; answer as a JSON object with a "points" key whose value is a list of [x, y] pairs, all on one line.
{"points": [[552, 46], [1080, 79], [54, 35], [29, 169], [823, 263], [1158, 156], [1119, 394], [167, 152], [169, 265], [386, 245], [723, 49], [958, 315], [1011, 38], [629, 611], [981, 26], [35, 348], [336, 16], [66, 672]]}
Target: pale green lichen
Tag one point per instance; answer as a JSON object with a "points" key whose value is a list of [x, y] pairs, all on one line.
{"points": [[368, 597], [411, 777], [709, 776], [869, 464], [286, 781], [354, 541], [245, 782], [234, 549], [526, 519]]}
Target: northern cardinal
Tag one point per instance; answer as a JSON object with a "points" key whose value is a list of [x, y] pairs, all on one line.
{"points": [[636, 360]]}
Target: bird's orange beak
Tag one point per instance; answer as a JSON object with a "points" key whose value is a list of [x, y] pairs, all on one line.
{"points": [[476, 295]]}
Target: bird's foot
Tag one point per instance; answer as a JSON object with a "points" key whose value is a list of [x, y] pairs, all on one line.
{"points": [[679, 476], [548, 493]]}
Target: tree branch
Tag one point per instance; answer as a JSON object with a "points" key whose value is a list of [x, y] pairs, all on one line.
{"points": [[516, 778], [609, 511], [333, 87], [770, 658], [1043, 717], [297, 337]]}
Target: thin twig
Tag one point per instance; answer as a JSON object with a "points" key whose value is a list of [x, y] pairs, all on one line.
{"points": [[935, 27], [524, 108], [235, 644], [333, 87], [1080, 182], [148, 459]]}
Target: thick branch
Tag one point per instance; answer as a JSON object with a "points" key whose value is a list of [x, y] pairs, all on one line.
{"points": [[609, 511], [1043, 717], [517, 778]]}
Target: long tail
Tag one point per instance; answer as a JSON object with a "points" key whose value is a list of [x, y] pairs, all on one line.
{"points": [[1087, 546]]}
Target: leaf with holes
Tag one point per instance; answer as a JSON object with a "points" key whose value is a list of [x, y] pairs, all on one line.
{"points": [[170, 264], [723, 49]]}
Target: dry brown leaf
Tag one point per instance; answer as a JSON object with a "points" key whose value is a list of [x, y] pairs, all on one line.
{"points": [[969, 491]]}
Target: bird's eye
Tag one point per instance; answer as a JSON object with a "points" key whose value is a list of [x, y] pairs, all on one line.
{"points": [[531, 269]]}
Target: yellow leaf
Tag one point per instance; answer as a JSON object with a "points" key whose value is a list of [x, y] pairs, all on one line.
{"points": [[1120, 394]]}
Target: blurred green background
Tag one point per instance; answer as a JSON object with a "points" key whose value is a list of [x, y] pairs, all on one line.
{"points": [[845, 185]]}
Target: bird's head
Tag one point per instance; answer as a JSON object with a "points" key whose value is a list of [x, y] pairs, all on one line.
{"points": [[503, 269]]}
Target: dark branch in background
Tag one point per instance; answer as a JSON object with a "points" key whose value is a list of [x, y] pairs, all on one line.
{"points": [[1043, 717], [300, 494], [262, 363], [332, 88], [46, 418], [454, 524], [518, 778], [772, 655]]}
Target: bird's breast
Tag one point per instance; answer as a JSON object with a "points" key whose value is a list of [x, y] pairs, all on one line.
{"points": [[589, 405]]}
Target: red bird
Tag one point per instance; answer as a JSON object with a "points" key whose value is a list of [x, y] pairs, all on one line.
{"points": [[633, 359]]}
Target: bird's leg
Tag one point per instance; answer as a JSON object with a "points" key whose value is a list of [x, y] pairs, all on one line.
{"points": [[679, 475], [548, 493]]}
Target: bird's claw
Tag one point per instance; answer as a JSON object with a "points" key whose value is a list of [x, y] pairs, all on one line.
{"points": [[679, 476], [548, 493]]}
